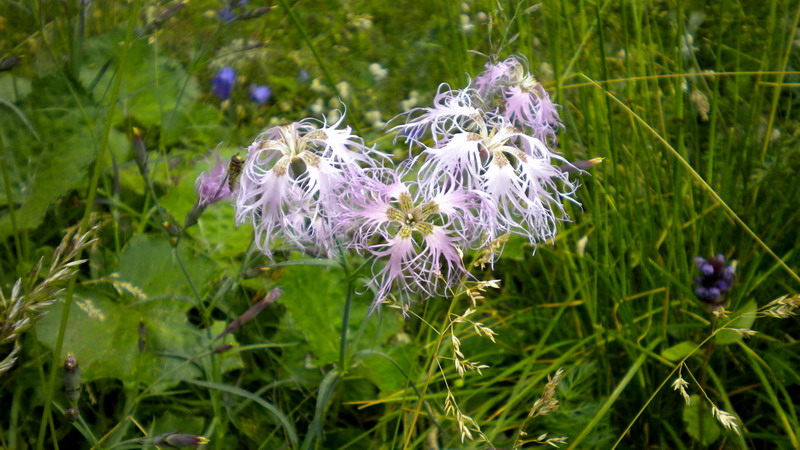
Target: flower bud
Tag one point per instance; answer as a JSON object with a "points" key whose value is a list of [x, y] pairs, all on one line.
{"points": [[176, 440], [72, 379]]}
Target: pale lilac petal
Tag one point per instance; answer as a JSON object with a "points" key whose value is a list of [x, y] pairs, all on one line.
{"points": [[453, 110]]}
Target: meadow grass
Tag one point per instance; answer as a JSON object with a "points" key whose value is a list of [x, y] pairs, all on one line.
{"points": [[690, 105]]}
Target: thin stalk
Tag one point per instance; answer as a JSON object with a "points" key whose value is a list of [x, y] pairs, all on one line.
{"points": [[700, 180], [318, 57], [98, 168], [431, 367], [776, 94], [11, 213], [345, 325]]}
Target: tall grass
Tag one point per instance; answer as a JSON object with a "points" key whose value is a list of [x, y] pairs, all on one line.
{"points": [[692, 107]]}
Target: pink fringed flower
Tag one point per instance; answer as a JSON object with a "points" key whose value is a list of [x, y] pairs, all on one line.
{"points": [[452, 111], [419, 233], [213, 186], [525, 102], [291, 180], [521, 189]]}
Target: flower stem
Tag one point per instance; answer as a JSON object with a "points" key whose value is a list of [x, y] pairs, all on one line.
{"points": [[345, 319], [431, 366], [98, 169]]}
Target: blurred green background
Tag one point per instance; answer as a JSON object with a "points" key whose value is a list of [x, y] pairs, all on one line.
{"points": [[691, 104]]}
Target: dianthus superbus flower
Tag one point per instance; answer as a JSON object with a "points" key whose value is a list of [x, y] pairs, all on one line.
{"points": [[492, 138], [291, 179], [452, 111], [520, 97], [213, 186], [419, 234], [512, 170]]}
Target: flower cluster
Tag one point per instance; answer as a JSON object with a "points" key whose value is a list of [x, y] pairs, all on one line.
{"points": [[488, 170], [419, 232], [715, 279], [292, 179], [492, 138]]}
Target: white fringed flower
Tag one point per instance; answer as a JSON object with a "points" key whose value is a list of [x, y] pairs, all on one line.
{"points": [[291, 179]]}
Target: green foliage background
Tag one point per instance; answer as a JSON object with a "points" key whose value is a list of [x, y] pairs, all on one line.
{"points": [[672, 94]]}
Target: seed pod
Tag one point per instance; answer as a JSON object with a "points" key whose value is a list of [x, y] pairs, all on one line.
{"points": [[72, 379]]}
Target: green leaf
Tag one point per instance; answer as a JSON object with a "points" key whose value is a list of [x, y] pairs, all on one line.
{"points": [[679, 351], [324, 395], [284, 421], [152, 87], [149, 263], [13, 88], [746, 317], [387, 371], [59, 170], [315, 308], [216, 230], [104, 336], [691, 417]]}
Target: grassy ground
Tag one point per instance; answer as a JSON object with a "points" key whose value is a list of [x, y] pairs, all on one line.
{"points": [[692, 106]]}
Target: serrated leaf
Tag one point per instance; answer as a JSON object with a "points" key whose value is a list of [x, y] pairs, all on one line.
{"points": [[388, 371], [216, 229], [316, 307], [315, 298]]}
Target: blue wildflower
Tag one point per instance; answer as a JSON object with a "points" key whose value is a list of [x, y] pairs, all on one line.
{"points": [[226, 14], [260, 93], [715, 280], [223, 82]]}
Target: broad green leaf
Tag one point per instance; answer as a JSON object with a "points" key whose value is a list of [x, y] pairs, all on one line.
{"points": [[148, 263], [54, 163], [315, 298], [389, 371], [216, 230], [747, 316], [679, 351], [152, 86], [104, 335], [692, 412], [60, 170], [13, 88]]}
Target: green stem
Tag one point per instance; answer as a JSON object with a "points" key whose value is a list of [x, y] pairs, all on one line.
{"points": [[345, 325], [11, 213], [318, 57], [700, 180], [431, 367], [98, 169]]}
